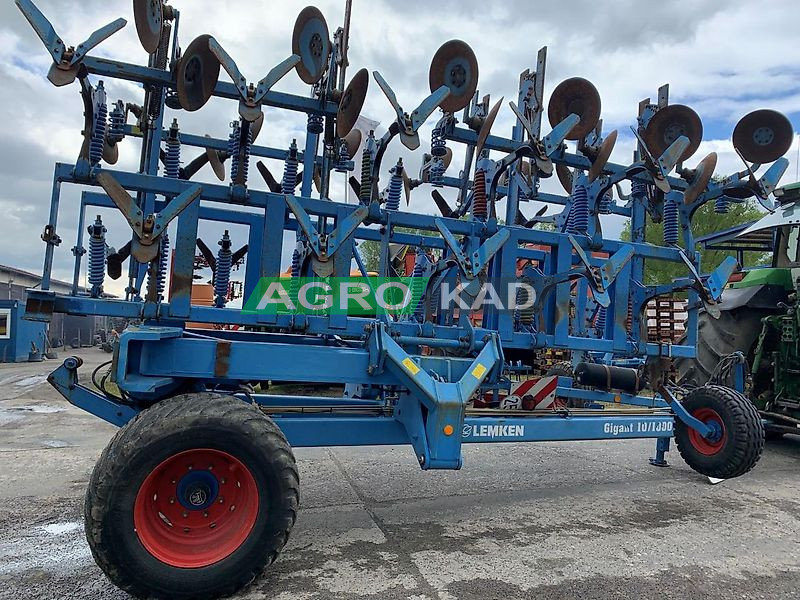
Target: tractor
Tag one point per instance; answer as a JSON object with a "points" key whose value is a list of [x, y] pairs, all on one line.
{"points": [[759, 318]]}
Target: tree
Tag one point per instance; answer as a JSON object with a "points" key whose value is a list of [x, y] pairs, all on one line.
{"points": [[705, 221]]}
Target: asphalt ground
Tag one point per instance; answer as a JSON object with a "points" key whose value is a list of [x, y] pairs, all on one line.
{"points": [[549, 520]]}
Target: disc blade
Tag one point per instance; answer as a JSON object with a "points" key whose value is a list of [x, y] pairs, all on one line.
{"points": [[668, 124], [311, 42], [351, 103], [110, 152], [353, 142], [702, 176], [763, 136], [601, 160], [487, 127], [575, 95], [149, 18], [564, 177], [454, 65], [197, 74]]}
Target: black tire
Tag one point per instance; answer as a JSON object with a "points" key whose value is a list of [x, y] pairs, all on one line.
{"points": [[735, 330], [564, 369], [742, 443], [191, 422]]}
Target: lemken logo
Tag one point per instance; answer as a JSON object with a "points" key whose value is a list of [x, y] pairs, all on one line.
{"points": [[493, 431]]}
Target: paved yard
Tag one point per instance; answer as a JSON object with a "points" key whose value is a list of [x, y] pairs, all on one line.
{"points": [[551, 520]]}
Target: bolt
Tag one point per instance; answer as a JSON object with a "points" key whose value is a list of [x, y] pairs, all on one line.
{"points": [[222, 481], [172, 500], [221, 499], [205, 514], [185, 514]]}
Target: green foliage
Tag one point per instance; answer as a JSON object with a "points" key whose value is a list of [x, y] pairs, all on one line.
{"points": [[705, 221]]}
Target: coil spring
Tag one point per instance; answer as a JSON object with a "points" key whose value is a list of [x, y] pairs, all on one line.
{"points": [[438, 151], [670, 222], [233, 149], [222, 275], [365, 190], [722, 205], [523, 315], [606, 201], [315, 124], [579, 214], [99, 129], [163, 264], [344, 158], [639, 189], [116, 124], [480, 209], [172, 161], [162, 55], [97, 256], [418, 287], [289, 181], [600, 320], [395, 187], [244, 165], [296, 263]]}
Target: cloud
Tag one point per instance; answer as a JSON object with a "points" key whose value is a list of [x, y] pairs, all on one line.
{"points": [[724, 59]]}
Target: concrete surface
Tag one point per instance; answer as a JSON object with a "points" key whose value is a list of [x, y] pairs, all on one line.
{"points": [[552, 520]]}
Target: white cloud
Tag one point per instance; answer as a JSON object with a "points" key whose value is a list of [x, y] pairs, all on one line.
{"points": [[724, 59]]}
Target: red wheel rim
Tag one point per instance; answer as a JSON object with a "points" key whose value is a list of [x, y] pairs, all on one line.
{"points": [[196, 508], [704, 445]]}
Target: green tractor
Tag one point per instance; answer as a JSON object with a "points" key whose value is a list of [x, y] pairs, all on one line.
{"points": [[760, 317]]}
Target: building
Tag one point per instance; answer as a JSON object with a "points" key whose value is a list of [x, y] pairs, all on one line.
{"points": [[66, 330]]}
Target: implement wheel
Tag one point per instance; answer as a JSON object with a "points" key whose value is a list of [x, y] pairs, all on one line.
{"points": [[192, 499], [738, 438]]}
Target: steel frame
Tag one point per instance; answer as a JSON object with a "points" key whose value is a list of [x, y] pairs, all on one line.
{"points": [[418, 399]]}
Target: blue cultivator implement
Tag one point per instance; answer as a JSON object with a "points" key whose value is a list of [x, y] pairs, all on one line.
{"points": [[198, 490]]}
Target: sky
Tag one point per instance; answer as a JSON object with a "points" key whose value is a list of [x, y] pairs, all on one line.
{"points": [[723, 58]]}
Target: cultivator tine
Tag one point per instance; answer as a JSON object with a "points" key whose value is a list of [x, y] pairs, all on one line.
{"points": [[441, 204], [270, 180], [96, 38], [275, 75], [43, 28]]}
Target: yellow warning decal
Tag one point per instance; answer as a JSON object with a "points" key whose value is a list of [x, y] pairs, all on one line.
{"points": [[410, 366], [478, 371]]}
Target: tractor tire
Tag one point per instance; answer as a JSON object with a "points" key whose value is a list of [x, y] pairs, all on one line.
{"points": [[741, 433], [193, 498], [735, 330], [564, 369]]}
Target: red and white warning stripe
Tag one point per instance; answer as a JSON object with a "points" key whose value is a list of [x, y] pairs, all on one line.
{"points": [[537, 393]]}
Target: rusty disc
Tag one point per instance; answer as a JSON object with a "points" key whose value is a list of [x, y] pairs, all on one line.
{"points": [[455, 66], [579, 96], [564, 177], [763, 136], [668, 124], [255, 127], [197, 74], [311, 42], [149, 17], [110, 152], [351, 103], [601, 160], [486, 127], [353, 142], [447, 158], [702, 175]]}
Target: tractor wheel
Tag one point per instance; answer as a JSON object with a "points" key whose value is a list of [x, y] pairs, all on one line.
{"points": [[564, 369], [192, 499], [739, 439], [735, 330]]}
